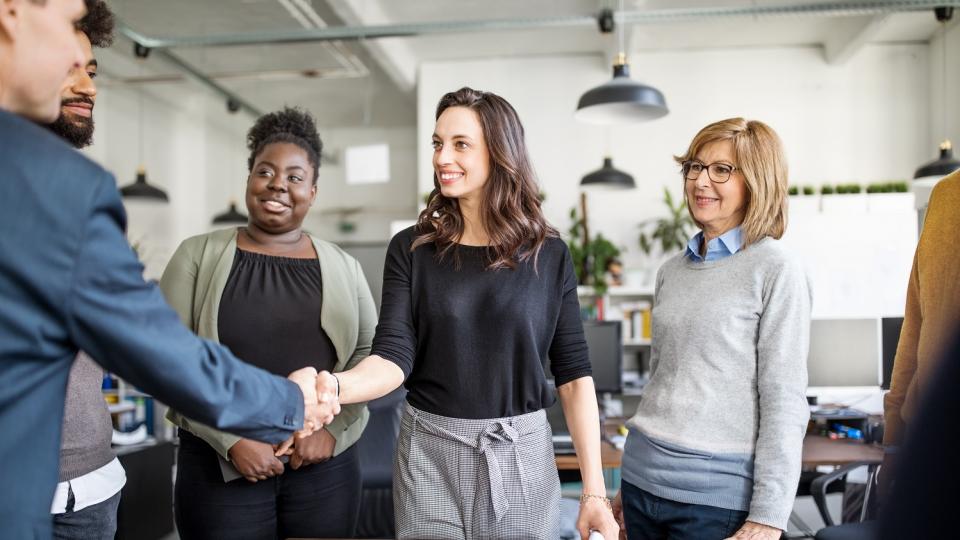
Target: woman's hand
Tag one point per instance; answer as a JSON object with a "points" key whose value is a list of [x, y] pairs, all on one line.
{"points": [[755, 531], [596, 516], [316, 448], [617, 507], [255, 460]]}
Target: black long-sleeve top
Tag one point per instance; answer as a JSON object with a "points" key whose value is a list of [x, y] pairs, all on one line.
{"points": [[472, 342]]}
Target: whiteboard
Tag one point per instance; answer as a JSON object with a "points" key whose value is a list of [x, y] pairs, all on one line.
{"points": [[857, 251]]}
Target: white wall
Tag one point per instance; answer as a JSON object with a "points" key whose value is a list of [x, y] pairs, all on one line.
{"points": [[196, 152], [863, 121], [944, 123]]}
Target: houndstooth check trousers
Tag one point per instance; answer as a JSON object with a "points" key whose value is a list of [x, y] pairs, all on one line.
{"points": [[456, 478]]}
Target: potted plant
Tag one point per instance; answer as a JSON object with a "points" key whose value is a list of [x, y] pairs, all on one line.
{"points": [[800, 200], [591, 256], [666, 234], [851, 200], [890, 196]]}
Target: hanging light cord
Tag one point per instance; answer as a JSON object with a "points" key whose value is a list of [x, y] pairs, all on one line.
{"points": [[140, 165], [943, 61], [619, 22]]}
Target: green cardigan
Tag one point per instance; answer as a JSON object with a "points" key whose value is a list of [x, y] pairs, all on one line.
{"points": [[193, 283]]}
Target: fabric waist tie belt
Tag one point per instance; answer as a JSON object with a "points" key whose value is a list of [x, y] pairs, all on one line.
{"points": [[490, 435]]}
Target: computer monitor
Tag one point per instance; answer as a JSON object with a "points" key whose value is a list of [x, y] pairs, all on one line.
{"points": [[844, 352], [890, 331], [606, 354]]}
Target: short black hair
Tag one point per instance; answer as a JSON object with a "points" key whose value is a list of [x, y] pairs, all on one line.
{"points": [[290, 125], [97, 24]]}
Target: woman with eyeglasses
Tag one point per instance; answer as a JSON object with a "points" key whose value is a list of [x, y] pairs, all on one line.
{"points": [[714, 448]]}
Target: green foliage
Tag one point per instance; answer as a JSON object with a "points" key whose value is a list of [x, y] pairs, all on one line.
{"points": [[669, 233], [591, 260], [892, 186], [809, 190], [826, 189], [793, 190], [846, 189]]}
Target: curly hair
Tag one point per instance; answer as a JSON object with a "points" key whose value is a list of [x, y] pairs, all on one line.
{"points": [[510, 211], [289, 125], [97, 24]]}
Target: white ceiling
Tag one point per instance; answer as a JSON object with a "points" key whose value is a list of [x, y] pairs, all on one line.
{"points": [[372, 82]]}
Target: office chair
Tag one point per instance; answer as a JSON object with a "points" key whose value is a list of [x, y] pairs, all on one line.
{"points": [[866, 527], [377, 448]]}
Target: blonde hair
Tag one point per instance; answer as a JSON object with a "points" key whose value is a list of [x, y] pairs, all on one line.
{"points": [[759, 157]]}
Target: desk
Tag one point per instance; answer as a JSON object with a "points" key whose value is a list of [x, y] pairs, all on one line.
{"points": [[609, 458], [820, 450], [817, 450]]}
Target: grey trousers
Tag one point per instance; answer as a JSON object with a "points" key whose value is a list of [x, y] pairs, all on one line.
{"points": [[457, 478]]}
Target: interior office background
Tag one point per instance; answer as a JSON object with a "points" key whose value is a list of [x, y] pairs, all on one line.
{"points": [[855, 99], [873, 116]]}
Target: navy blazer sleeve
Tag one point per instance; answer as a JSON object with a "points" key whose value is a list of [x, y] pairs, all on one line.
{"points": [[125, 324]]}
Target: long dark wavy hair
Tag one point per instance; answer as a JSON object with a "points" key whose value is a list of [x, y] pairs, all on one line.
{"points": [[510, 207]]}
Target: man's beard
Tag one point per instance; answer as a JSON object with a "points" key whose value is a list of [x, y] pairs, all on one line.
{"points": [[78, 132]]}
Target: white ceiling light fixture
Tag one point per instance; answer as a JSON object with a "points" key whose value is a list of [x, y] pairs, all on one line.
{"points": [[620, 100]]}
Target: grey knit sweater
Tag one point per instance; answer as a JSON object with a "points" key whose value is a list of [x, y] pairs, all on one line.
{"points": [[728, 368], [87, 427]]}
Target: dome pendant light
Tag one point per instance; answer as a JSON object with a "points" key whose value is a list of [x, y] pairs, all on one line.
{"points": [[929, 173], [140, 189], [621, 100], [231, 216], [608, 177]]}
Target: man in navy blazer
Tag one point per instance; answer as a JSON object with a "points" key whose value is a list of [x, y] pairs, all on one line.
{"points": [[69, 281]]}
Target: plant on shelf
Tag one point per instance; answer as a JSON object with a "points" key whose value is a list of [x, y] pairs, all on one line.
{"points": [[591, 256], [669, 233], [893, 186], [793, 190], [826, 189], [809, 190]]}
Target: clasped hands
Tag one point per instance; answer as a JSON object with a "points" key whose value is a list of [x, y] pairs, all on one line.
{"points": [[320, 404], [311, 444]]}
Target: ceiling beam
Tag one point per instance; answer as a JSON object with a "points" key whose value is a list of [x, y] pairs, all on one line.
{"points": [[842, 46], [396, 58]]}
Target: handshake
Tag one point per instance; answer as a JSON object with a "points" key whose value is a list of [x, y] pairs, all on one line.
{"points": [[321, 392]]}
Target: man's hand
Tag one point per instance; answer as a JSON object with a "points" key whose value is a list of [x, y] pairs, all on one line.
{"points": [[316, 448], [885, 478], [255, 460], [756, 531], [318, 410]]}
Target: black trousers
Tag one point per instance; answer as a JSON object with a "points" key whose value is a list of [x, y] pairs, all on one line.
{"points": [[318, 501]]}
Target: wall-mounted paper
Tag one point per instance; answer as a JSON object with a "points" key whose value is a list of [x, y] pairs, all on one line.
{"points": [[369, 164]]}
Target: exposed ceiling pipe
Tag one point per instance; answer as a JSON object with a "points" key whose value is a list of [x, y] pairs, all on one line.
{"points": [[828, 9], [234, 102]]}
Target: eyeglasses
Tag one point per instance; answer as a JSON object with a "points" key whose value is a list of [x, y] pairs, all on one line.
{"points": [[717, 172]]}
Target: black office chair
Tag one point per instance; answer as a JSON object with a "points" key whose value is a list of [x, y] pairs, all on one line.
{"points": [[866, 526], [377, 447]]}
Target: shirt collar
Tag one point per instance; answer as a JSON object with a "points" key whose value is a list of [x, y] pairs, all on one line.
{"points": [[727, 244]]}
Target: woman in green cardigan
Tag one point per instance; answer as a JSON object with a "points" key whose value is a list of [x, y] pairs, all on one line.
{"points": [[281, 300]]}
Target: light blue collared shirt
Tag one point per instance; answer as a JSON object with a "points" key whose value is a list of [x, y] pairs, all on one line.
{"points": [[725, 245]]}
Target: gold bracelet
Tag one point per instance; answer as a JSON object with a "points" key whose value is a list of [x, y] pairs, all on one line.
{"points": [[586, 496]]}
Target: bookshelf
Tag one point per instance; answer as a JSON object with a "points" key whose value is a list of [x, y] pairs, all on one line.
{"points": [[632, 306]]}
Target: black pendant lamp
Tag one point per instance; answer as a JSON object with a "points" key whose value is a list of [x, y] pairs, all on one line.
{"points": [[140, 189], [946, 163], [621, 100], [940, 167], [231, 216], [607, 177]]}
